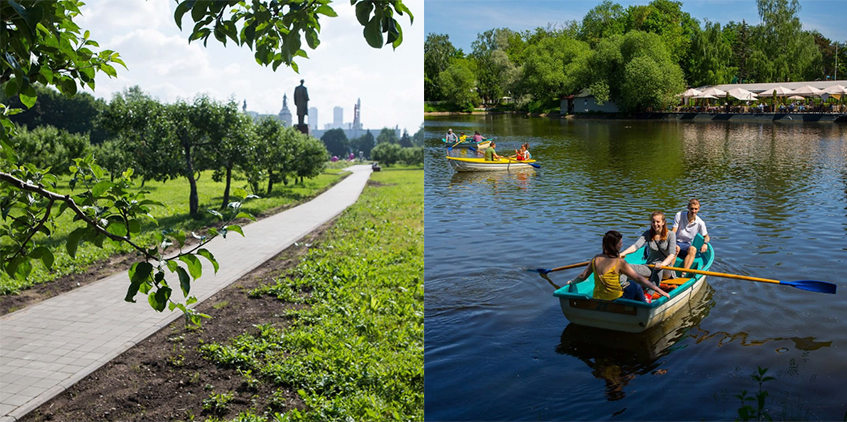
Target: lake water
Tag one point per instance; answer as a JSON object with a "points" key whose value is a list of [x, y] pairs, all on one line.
{"points": [[774, 198]]}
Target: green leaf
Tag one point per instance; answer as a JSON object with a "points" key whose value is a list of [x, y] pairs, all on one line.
{"points": [[184, 280], [326, 10], [45, 254], [101, 187], [138, 274], [195, 267], [373, 33], [198, 11], [73, 240], [245, 215], [208, 255], [363, 12], [239, 193], [159, 299], [236, 228], [172, 265], [28, 96]]}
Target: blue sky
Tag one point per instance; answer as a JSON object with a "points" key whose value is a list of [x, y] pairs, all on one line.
{"points": [[462, 20]]}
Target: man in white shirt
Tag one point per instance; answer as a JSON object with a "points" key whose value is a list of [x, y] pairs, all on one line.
{"points": [[686, 225]]}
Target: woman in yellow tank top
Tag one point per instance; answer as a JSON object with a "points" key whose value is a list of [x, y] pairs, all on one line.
{"points": [[607, 268]]}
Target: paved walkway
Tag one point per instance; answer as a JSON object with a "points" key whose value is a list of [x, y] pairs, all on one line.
{"points": [[47, 347]]}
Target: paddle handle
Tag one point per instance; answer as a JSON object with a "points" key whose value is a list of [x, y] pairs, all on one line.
{"points": [[724, 275], [567, 267]]}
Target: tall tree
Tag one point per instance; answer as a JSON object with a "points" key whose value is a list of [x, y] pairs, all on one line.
{"points": [[785, 51], [387, 136], [438, 52], [336, 142], [603, 21], [406, 140], [457, 84], [144, 132], [363, 144], [666, 19], [553, 67], [710, 61], [229, 132]]}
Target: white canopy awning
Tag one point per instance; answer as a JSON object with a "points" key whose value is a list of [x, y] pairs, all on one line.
{"points": [[781, 91], [807, 91], [742, 94]]}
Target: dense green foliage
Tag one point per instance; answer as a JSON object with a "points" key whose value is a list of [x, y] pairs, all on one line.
{"points": [[356, 351], [336, 142], [639, 57]]}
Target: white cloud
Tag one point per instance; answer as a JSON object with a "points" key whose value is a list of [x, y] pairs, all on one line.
{"points": [[342, 69]]}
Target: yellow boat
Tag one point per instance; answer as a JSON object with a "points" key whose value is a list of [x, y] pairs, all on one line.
{"points": [[479, 164]]}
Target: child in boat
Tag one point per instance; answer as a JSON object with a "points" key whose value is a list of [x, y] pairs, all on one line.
{"points": [[521, 154], [607, 268], [661, 248], [463, 137]]}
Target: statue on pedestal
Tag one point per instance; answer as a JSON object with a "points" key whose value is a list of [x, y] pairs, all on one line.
{"points": [[301, 100]]}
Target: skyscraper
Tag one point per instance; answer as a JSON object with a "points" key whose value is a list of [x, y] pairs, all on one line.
{"points": [[313, 118], [338, 117]]}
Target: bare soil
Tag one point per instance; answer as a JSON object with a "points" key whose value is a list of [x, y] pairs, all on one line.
{"points": [[164, 378]]}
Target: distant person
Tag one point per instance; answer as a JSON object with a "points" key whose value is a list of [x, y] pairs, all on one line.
{"points": [[491, 153], [661, 248], [477, 138], [451, 137], [522, 154], [608, 267], [686, 225]]}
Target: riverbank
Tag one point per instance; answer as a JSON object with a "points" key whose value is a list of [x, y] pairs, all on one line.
{"points": [[699, 117]]}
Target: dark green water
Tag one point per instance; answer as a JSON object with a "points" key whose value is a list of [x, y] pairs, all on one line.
{"points": [[774, 197]]}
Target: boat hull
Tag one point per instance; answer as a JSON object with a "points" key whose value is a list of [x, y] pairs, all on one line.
{"points": [[479, 164], [628, 315]]}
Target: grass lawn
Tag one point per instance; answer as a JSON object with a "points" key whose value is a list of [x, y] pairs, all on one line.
{"points": [[355, 350], [174, 194]]}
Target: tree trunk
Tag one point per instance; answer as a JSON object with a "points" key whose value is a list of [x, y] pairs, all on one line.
{"points": [[270, 181], [193, 201], [226, 189]]}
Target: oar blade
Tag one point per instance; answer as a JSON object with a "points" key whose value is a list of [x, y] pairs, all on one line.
{"points": [[812, 285], [539, 270], [538, 166]]}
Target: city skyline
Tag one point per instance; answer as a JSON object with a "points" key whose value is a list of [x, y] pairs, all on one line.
{"points": [[342, 69]]}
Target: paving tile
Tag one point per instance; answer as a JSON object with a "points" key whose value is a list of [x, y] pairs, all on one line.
{"points": [[50, 345]]}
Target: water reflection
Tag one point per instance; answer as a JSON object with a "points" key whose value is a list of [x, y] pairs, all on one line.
{"points": [[617, 357]]}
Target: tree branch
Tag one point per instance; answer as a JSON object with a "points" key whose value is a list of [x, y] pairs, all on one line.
{"points": [[53, 196]]}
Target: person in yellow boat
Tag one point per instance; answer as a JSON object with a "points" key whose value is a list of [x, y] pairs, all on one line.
{"points": [[608, 267], [522, 154], [491, 153]]}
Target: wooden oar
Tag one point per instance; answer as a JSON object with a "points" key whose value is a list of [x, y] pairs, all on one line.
{"points": [[566, 267], [810, 285]]}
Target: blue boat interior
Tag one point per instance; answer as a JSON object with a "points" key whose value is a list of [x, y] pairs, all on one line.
{"points": [[702, 261]]}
